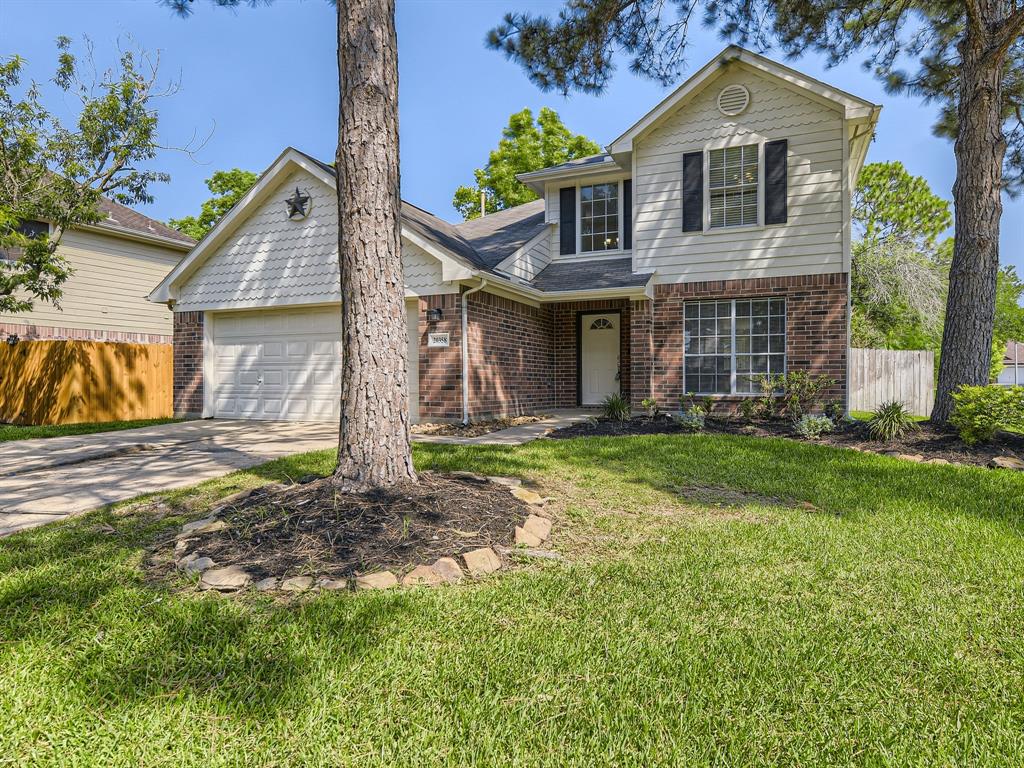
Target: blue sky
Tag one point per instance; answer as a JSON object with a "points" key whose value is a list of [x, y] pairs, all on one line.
{"points": [[265, 78]]}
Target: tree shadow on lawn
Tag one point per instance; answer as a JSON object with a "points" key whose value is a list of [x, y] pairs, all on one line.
{"points": [[837, 481], [73, 595]]}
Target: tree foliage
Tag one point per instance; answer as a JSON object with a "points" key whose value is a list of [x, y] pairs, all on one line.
{"points": [[57, 174], [227, 187], [525, 145]]}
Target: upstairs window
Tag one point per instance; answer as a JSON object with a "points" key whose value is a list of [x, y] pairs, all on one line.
{"points": [[599, 217], [732, 186]]}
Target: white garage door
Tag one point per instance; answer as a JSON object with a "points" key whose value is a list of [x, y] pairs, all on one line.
{"points": [[282, 364]]}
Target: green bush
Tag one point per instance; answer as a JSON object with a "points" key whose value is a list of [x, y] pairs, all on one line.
{"points": [[813, 427], [890, 421], [651, 406], [980, 412], [792, 394], [692, 420], [616, 408]]}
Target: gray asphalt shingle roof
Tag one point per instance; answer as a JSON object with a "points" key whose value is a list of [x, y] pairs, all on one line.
{"points": [[588, 275], [487, 241]]}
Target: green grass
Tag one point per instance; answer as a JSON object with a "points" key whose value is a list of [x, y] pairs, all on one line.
{"points": [[15, 432], [883, 629]]}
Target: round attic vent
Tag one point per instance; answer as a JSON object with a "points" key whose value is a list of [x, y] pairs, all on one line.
{"points": [[733, 99]]}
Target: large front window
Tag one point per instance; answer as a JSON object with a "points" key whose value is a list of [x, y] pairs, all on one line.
{"points": [[599, 217], [730, 346], [732, 186]]}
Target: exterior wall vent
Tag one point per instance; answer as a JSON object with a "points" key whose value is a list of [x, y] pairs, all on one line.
{"points": [[733, 100]]}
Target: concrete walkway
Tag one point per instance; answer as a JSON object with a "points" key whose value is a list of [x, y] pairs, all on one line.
{"points": [[52, 478]]}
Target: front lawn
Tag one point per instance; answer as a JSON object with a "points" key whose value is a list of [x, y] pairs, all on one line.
{"points": [[14, 432], [882, 627]]}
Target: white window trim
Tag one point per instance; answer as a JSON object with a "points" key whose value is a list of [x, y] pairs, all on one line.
{"points": [[759, 142], [732, 354], [579, 220]]}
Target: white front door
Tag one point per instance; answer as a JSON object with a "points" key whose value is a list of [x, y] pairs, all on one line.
{"points": [[599, 357]]}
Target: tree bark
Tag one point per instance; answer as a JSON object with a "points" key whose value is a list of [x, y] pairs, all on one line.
{"points": [[980, 148], [373, 446]]}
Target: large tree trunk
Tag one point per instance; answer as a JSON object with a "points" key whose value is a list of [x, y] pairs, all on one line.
{"points": [[373, 447], [980, 147]]}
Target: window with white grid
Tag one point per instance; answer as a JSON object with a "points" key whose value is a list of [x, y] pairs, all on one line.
{"points": [[730, 346], [599, 217], [732, 186]]}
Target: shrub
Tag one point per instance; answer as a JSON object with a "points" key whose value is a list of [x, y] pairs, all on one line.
{"points": [[792, 394], [813, 427], [980, 412], [692, 420], [890, 421], [748, 408], [651, 406], [616, 408]]}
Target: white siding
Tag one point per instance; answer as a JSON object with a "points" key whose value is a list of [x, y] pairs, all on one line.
{"points": [[107, 292], [528, 262], [272, 261], [810, 242], [422, 273]]}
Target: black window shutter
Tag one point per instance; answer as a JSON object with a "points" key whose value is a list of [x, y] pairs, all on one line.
{"points": [[775, 181], [693, 192], [567, 220], [627, 214]]}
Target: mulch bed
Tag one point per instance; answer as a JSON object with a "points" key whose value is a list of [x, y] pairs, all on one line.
{"points": [[474, 429], [312, 529], [930, 441]]}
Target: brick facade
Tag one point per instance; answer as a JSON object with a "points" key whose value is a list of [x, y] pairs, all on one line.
{"points": [[524, 359], [49, 332], [816, 328], [188, 364]]}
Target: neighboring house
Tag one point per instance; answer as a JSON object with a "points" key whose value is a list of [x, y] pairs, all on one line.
{"points": [[708, 246], [115, 263], [1013, 365]]}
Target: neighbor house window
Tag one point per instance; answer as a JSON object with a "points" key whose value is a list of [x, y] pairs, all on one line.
{"points": [[599, 217], [732, 186], [730, 346]]}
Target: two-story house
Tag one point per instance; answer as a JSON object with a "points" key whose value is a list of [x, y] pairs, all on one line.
{"points": [[709, 245]]}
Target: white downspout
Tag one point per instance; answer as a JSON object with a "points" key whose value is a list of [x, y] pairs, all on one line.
{"points": [[465, 350]]}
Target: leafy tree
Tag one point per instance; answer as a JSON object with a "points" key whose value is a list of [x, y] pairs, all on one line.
{"points": [[525, 146], [55, 174], [969, 58], [374, 448], [1009, 323], [228, 187], [898, 276]]}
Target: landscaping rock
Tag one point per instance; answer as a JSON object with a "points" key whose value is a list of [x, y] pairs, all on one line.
{"points": [[1006, 462], [510, 482], [937, 461], [297, 584], [332, 584], [234, 498], [481, 562], [180, 546], [199, 527], [807, 506], [469, 476], [194, 564], [379, 580], [538, 526], [268, 584], [225, 579], [530, 497], [540, 554], [422, 575], [526, 539], [912, 457], [448, 569]]}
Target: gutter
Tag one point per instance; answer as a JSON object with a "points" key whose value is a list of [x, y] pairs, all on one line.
{"points": [[465, 349]]}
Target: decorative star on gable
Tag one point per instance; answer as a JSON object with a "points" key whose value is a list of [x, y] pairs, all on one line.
{"points": [[297, 205]]}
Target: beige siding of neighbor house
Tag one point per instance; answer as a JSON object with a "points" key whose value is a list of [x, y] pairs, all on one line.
{"points": [[812, 239], [107, 292], [270, 260]]}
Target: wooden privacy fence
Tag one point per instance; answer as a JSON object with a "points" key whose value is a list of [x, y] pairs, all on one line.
{"points": [[880, 375], [70, 382]]}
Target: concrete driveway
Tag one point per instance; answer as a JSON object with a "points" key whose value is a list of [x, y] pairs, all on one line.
{"points": [[49, 479]]}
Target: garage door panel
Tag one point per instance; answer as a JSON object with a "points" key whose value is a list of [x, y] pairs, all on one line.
{"points": [[280, 364]]}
